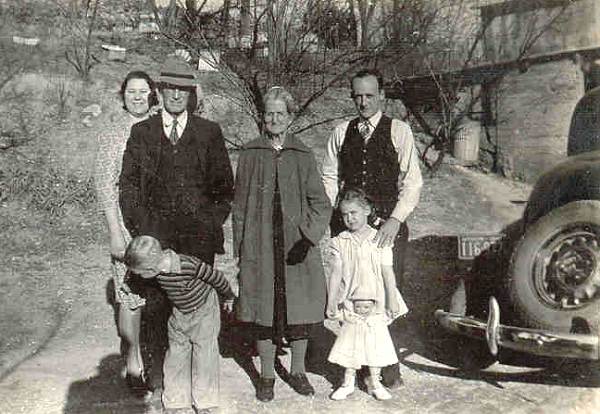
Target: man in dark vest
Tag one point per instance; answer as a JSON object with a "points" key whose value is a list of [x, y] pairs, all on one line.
{"points": [[176, 183], [377, 154]]}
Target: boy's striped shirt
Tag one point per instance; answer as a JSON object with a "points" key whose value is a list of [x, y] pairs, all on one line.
{"points": [[189, 287]]}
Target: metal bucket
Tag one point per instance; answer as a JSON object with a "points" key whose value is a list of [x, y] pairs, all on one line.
{"points": [[466, 142]]}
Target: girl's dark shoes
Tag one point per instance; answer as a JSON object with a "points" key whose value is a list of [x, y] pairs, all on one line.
{"points": [[300, 384], [264, 389], [138, 385]]}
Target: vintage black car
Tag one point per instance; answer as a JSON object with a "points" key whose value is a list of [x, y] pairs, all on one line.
{"points": [[544, 273]]}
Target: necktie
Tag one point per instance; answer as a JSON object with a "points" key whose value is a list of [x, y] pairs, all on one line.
{"points": [[173, 136], [364, 129]]}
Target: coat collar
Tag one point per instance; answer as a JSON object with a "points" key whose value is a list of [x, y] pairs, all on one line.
{"points": [[291, 143]]}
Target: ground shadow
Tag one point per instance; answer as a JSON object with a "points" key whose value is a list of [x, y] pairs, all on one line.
{"points": [[153, 333], [316, 356], [564, 374], [104, 392], [107, 391], [235, 342]]}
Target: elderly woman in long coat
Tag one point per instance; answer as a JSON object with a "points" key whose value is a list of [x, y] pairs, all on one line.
{"points": [[280, 213]]}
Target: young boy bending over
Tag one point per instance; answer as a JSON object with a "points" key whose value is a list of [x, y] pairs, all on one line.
{"points": [[191, 367]]}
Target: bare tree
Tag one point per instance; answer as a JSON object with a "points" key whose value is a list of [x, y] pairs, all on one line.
{"points": [[445, 91], [81, 23], [166, 19], [282, 47]]}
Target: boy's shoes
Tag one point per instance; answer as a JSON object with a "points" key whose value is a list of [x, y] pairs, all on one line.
{"points": [[343, 392], [139, 386], [264, 389], [299, 382]]}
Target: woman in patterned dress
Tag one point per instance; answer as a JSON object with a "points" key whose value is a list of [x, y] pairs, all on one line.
{"points": [[139, 97]]}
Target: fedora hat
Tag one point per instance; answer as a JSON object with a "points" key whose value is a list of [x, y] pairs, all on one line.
{"points": [[177, 73]]}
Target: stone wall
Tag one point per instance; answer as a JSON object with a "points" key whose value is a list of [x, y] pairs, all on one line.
{"points": [[575, 27], [533, 116]]}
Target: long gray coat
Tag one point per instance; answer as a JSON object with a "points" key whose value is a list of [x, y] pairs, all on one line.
{"points": [[306, 211]]}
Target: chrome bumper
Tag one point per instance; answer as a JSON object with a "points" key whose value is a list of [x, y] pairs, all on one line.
{"points": [[532, 341]]}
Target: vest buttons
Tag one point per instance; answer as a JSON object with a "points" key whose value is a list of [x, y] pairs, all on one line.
{"points": [[174, 151], [364, 172], [364, 162]]}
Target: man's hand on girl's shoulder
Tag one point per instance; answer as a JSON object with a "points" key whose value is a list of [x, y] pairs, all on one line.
{"points": [[387, 233]]}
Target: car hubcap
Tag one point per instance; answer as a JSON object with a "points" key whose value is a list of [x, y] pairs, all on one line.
{"points": [[566, 273]]}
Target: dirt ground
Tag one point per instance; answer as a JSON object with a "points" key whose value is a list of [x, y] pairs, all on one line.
{"points": [[59, 348], [74, 365]]}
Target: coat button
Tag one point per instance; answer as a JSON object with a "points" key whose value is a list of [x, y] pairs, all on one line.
{"points": [[174, 151]]}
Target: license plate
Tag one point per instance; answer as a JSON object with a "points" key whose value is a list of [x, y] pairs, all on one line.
{"points": [[471, 246]]}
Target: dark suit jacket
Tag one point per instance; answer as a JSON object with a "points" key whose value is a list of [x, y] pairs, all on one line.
{"points": [[140, 166]]}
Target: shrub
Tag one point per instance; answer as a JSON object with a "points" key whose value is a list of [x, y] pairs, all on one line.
{"points": [[43, 185], [58, 97]]}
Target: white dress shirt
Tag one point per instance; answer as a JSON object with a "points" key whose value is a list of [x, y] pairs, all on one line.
{"points": [[167, 121], [410, 180]]}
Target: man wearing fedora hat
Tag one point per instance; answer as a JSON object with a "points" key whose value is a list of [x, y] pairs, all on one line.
{"points": [[176, 182]]}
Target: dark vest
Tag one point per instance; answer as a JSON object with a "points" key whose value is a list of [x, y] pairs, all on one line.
{"points": [[177, 190], [373, 166]]}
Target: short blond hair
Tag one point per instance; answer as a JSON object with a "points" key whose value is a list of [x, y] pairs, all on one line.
{"points": [[143, 253]]}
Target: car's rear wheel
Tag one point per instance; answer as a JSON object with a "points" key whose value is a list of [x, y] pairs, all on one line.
{"points": [[554, 278]]}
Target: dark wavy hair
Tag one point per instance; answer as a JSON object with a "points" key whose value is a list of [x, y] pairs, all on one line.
{"points": [[139, 74]]}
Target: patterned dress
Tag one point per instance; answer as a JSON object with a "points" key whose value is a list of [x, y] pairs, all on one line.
{"points": [[109, 160]]}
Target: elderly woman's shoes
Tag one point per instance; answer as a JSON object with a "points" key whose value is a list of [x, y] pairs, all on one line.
{"points": [[264, 389], [299, 382]]}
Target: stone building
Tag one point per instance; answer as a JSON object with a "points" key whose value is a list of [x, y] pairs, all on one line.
{"points": [[530, 77]]}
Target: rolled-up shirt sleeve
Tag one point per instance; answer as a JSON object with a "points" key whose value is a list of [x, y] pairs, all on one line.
{"points": [[330, 167], [410, 180]]}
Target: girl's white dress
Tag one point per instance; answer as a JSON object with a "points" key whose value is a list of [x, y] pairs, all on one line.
{"points": [[354, 266]]}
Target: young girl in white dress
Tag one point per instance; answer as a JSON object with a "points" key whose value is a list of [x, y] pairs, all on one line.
{"points": [[363, 297]]}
